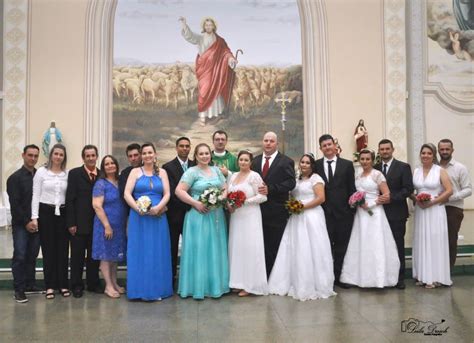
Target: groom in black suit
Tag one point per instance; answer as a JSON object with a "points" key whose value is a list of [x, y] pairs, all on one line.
{"points": [[80, 220], [338, 174], [400, 182], [176, 208], [278, 174]]}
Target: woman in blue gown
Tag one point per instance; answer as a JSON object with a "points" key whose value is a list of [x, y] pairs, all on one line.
{"points": [[109, 239], [204, 266], [149, 274]]}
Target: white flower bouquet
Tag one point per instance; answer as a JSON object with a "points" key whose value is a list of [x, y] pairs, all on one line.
{"points": [[144, 204], [212, 197]]}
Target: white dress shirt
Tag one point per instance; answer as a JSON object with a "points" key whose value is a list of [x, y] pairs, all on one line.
{"points": [[270, 161], [333, 166], [48, 188], [462, 187]]}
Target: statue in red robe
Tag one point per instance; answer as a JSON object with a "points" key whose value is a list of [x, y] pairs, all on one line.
{"points": [[361, 136], [214, 69]]}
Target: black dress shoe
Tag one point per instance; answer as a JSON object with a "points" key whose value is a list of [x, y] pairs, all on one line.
{"points": [[77, 293], [400, 285], [98, 290], [20, 297], [343, 285], [34, 290]]}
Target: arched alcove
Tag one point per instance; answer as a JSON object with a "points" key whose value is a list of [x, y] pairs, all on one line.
{"points": [[99, 63]]}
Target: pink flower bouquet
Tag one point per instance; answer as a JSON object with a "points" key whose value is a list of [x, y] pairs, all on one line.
{"points": [[358, 199]]}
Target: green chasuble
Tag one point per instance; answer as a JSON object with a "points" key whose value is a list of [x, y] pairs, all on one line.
{"points": [[229, 160]]}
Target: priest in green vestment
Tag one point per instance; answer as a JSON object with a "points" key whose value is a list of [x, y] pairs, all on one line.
{"points": [[226, 161]]}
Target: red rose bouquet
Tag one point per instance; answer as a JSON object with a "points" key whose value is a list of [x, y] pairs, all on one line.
{"points": [[423, 197], [236, 199]]}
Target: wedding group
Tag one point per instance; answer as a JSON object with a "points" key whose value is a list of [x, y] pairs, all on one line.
{"points": [[248, 224]]}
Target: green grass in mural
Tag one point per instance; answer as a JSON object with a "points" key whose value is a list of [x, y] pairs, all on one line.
{"points": [[146, 122]]}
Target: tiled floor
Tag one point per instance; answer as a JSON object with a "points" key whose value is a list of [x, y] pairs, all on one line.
{"points": [[354, 315], [466, 235]]}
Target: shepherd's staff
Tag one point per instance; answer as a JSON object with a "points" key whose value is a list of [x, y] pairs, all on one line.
{"points": [[231, 83]]}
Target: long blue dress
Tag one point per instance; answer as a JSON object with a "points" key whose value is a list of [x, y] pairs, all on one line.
{"points": [[204, 265], [111, 250], [149, 274]]}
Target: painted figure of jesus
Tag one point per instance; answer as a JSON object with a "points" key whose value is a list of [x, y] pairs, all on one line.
{"points": [[214, 69]]}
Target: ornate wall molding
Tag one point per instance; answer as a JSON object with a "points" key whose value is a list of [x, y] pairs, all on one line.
{"points": [[98, 74], [99, 62], [437, 90], [15, 65], [395, 124], [416, 67], [317, 100]]}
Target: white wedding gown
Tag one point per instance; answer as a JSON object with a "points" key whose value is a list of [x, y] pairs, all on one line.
{"points": [[371, 259], [246, 249], [304, 267], [430, 237]]}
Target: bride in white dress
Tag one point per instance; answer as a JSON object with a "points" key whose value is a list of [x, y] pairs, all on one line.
{"points": [[371, 259], [246, 250], [304, 267], [430, 237]]}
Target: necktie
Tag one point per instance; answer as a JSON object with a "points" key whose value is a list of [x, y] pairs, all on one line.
{"points": [[185, 166], [384, 171], [330, 174], [266, 166], [92, 175]]}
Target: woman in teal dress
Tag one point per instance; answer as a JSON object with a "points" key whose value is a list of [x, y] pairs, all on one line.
{"points": [[204, 266], [149, 275]]}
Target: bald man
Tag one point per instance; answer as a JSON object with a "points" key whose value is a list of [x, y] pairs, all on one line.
{"points": [[278, 174]]}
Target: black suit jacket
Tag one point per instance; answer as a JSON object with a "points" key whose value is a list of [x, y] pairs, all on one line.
{"points": [[340, 189], [122, 181], [175, 171], [20, 193], [280, 178], [400, 183], [79, 210]]}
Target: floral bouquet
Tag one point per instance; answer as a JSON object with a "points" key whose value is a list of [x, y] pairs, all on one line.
{"points": [[294, 206], [358, 199], [236, 199], [144, 204], [423, 197], [212, 197]]}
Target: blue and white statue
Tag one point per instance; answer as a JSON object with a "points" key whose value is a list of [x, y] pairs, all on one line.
{"points": [[51, 137]]}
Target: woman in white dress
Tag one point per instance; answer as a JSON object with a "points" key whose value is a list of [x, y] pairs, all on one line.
{"points": [[430, 237], [246, 250], [371, 259], [304, 267]]}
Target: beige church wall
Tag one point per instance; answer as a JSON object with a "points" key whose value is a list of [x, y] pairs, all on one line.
{"points": [[57, 69], [352, 85], [442, 122], [56, 72], [355, 35]]}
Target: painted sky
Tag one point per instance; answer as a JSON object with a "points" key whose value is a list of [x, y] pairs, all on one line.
{"points": [[267, 31]]}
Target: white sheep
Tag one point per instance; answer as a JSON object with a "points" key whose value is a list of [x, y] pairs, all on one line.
{"points": [[150, 89], [189, 83]]}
